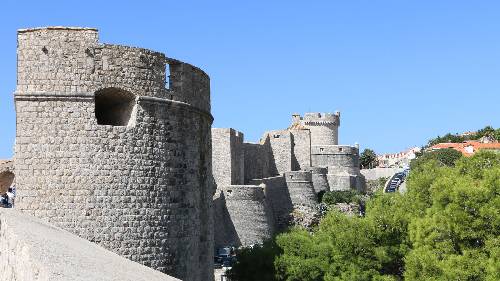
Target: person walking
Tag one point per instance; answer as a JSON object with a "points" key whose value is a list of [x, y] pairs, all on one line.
{"points": [[11, 195]]}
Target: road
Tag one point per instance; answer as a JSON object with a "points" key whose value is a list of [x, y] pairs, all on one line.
{"points": [[396, 183]]}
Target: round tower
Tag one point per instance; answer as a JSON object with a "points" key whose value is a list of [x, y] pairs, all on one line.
{"points": [[106, 151], [323, 127], [250, 217]]}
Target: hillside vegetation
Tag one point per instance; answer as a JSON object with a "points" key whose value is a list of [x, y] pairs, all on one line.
{"points": [[445, 227], [456, 138]]}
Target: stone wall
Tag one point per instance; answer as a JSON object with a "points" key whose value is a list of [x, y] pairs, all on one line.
{"points": [[281, 144], [319, 179], [301, 157], [237, 158], [228, 156], [376, 173], [300, 188], [142, 190], [31, 250], [249, 214], [278, 198], [221, 159], [256, 160], [342, 157], [225, 233]]}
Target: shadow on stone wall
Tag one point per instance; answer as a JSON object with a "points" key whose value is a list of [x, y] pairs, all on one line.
{"points": [[224, 229]]}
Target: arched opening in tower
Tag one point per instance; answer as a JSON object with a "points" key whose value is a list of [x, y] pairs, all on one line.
{"points": [[6, 180], [114, 106]]}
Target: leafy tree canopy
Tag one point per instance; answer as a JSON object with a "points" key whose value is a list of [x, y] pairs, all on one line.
{"points": [[444, 157], [445, 227], [368, 159]]}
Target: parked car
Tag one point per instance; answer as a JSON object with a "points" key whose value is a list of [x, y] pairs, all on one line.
{"points": [[225, 256]]}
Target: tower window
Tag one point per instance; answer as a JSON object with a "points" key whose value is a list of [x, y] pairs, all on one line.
{"points": [[113, 106]]}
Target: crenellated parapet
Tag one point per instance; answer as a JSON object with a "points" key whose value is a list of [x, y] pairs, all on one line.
{"points": [[323, 126], [322, 119]]}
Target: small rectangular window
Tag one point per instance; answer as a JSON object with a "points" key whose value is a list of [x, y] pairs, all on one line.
{"points": [[167, 76]]}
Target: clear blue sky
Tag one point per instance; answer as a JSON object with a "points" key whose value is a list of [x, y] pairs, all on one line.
{"points": [[399, 71]]}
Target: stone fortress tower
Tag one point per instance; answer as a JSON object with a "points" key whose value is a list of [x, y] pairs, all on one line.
{"points": [[291, 166], [324, 128], [341, 161], [111, 148]]}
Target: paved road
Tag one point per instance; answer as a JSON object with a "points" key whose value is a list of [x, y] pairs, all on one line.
{"points": [[396, 183]]}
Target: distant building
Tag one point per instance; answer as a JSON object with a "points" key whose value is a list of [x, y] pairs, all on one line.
{"points": [[468, 134], [468, 148], [397, 160]]}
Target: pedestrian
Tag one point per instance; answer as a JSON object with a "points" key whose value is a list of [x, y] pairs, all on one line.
{"points": [[4, 201], [11, 196]]}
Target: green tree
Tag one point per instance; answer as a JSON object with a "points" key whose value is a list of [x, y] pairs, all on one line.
{"points": [[368, 159], [445, 227], [486, 131], [347, 196], [444, 157], [256, 263], [496, 135], [453, 138], [457, 236]]}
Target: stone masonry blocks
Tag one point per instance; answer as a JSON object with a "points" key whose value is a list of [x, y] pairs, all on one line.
{"points": [[143, 191]]}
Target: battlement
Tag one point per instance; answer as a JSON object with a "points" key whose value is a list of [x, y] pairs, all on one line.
{"points": [[229, 132], [320, 119], [70, 61], [68, 28]]}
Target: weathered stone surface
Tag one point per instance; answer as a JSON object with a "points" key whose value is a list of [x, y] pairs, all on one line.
{"points": [[292, 165], [300, 188], [278, 199], [141, 185], [228, 156], [376, 173], [249, 220], [31, 250]]}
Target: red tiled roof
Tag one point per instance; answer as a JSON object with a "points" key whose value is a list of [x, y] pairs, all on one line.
{"points": [[463, 145]]}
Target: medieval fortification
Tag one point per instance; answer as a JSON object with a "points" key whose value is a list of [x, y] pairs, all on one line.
{"points": [[111, 149], [260, 184], [114, 145]]}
